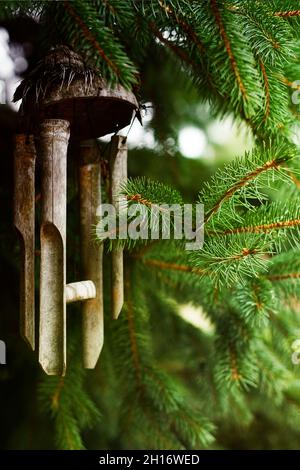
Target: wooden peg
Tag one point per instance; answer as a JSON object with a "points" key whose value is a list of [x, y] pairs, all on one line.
{"points": [[78, 291], [24, 215], [54, 137], [118, 172], [91, 251]]}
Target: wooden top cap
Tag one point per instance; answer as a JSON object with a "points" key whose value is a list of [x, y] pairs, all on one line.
{"points": [[63, 87]]}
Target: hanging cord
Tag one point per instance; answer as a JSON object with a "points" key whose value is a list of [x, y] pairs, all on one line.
{"points": [[137, 110], [104, 148]]}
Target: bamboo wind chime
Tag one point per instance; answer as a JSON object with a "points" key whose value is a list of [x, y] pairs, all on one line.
{"points": [[63, 100]]}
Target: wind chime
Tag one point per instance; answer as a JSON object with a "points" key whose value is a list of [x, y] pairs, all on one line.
{"points": [[63, 100]]}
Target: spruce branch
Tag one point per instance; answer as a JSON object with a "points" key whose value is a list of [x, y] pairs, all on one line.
{"points": [[278, 219], [151, 388], [110, 7], [267, 90], [260, 228], [186, 27], [150, 193], [132, 336], [275, 377], [100, 43], [269, 38], [236, 364], [235, 374], [13, 8], [245, 179], [283, 277], [233, 63], [233, 261], [273, 164], [287, 14], [255, 301], [89, 36], [284, 271], [177, 50], [66, 400], [172, 266]]}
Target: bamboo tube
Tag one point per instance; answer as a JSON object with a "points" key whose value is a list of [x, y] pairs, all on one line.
{"points": [[2, 352], [54, 136], [118, 171], [91, 252], [24, 215]]}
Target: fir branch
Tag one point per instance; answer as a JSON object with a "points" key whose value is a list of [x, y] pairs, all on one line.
{"points": [[269, 42], [274, 375], [68, 403], [139, 199], [131, 329], [244, 180], [149, 193], [295, 180], [55, 400], [267, 90], [283, 277], [236, 365], [172, 266], [287, 14], [284, 271], [279, 220], [150, 388], [233, 261], [259, 228], [179, 51], [235, 375], [233, 63], [109, 7], [13, 8], [89, 36], [118, 14], [255, 301], [272, 164], [186, 27]]}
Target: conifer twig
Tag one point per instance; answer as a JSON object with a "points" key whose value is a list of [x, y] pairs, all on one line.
{"points": [[286, 14], [89, 36], [283, 277], [184, 25], [56, 395], [239, 184], [235, 375], [267, 90], [173, 266], [173, 47], [258, 228], [132, 337], [228, 48]]}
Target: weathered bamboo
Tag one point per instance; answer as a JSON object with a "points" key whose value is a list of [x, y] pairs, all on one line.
{"points": [[78, 291], [54, 136], [2, 352], [24, 214], [118, 172], [91, 252]]}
